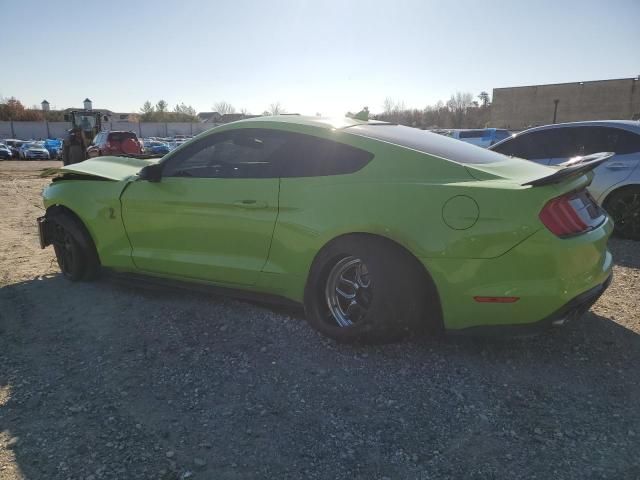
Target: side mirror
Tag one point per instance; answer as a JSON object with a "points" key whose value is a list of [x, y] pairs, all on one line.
{"points": [[151, 173], [106, 119], [66, 117]]}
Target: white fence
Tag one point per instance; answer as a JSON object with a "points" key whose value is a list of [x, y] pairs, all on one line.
{"points": [[42, 130]]}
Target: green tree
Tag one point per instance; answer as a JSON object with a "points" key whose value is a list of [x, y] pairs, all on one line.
{"points": [[147, 111]]}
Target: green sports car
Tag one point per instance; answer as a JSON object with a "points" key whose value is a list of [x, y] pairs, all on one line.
{"points": [[377, 229]]}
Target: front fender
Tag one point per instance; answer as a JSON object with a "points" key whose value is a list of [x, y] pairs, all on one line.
{"points": [[97, 204]]}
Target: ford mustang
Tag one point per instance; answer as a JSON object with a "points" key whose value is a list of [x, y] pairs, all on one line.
{"points": [[376, 229]]}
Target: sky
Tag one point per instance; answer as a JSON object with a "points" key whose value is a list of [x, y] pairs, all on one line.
{"points": [[312, 56]]}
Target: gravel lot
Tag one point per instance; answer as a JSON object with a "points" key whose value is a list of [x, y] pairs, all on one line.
{"points": [[111, 380]]}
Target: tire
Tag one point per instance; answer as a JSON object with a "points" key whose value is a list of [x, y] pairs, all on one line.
{"points": [[394, 297], [75, 251], [624, 207], [76, 155]]}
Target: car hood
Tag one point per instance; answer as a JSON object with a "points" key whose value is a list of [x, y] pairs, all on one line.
{"points": [[111, 168]]}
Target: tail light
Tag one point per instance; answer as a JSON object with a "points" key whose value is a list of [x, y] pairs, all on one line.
{"points": [[572, 214]]}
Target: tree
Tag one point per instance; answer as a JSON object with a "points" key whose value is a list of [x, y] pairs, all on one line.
{"points": [[147, 111], [12, 109], [484, 98], [161, 106], [184, 113], [275, 109], [223, 108], [458, 104]]}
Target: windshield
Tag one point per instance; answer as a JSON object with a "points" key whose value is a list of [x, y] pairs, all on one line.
{"points": [[86, 122], [427, 142]]}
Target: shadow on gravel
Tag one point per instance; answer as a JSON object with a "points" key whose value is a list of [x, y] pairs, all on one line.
{"points": [[102, 380], [625, 252]]}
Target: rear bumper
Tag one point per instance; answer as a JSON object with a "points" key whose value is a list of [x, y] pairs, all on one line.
{"points": [[544, 273], [571, 311]]}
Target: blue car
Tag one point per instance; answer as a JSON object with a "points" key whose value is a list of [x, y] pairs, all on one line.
{"points": [[54, 147], [482, 137], [155, 148]]}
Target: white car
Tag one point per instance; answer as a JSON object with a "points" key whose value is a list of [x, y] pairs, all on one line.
{"points": [[33, 150], [616, 184]]}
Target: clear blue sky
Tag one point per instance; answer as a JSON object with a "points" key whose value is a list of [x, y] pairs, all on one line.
{"points": [[310, 55]]}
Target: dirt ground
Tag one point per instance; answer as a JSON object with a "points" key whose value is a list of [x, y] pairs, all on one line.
{"points": [[108, 380]]}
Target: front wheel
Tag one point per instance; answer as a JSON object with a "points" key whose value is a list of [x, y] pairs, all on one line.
{"points": [[624, 208], [74, 248], [365, 288]]}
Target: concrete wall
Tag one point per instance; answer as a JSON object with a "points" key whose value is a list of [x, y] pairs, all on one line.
{"points": [[522, 107], [41, 130]]}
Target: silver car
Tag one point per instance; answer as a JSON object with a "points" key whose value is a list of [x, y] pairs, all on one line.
{"points": [[32, 150], [616, 184]]}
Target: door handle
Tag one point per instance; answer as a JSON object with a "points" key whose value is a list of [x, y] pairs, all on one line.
{"points": [[617, 166], [250, 204]]}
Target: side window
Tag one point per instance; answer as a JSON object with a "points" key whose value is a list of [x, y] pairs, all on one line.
{"points": [[309, 156], [594, 139], [530, 146], [246, 153], [606, 139], [560, 143], [627, 142], [507, 147]]}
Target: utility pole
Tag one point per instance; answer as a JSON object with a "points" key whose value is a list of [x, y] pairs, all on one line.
{"points": [[555, 109]]}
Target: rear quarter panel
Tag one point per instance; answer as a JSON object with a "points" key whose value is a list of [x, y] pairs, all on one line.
{"points": [[399, 195]]}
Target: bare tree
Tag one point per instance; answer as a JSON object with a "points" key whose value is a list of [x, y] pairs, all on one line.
{"points": [[393, 109], [458, 104], [276, 109], [223, 108]]}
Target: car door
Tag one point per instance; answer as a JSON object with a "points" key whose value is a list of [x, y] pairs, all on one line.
{"points": [[212, 214]]}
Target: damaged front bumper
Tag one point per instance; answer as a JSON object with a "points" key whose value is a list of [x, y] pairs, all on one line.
{"points": [[45, 231]]}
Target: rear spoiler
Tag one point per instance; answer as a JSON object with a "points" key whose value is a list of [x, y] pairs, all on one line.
{"points": [[573, 168]]}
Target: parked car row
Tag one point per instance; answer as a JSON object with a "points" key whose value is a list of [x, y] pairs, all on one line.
{"points": [[127, 143], [12, 148]]}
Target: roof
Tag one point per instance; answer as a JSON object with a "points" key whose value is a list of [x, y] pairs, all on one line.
{"points": [[569, 83], [624, 124], [312, 121]]}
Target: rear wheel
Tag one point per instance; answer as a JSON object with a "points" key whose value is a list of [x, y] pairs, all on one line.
{"points": [[366, 288], [624, 207]]}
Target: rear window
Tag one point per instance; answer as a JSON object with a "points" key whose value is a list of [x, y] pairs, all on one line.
{"points": [[120, 136], [427, 142], [472, 133]]}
